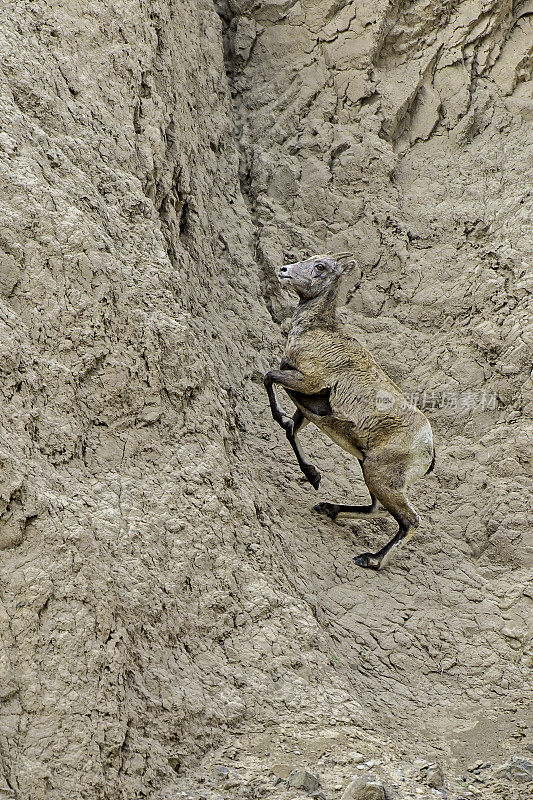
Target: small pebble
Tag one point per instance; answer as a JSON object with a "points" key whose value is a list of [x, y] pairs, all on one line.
{"points": [[365, 788], [519, 770], [301, 779], [434, 776]]}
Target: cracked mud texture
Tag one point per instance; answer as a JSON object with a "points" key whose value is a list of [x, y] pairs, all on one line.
{"points": [[168, 600]]}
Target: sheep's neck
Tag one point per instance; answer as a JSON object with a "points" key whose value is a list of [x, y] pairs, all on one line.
{"points": [[319, 312]]}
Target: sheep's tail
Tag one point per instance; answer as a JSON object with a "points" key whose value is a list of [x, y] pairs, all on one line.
{"points": [[430, 468]]}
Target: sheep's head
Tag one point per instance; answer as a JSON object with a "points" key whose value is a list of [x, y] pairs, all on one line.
{"points": [[315, 275]]}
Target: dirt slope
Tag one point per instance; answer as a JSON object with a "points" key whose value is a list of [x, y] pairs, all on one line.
{"points": [[165, 588]]}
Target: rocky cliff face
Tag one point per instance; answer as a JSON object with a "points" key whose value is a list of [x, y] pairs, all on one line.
{"points": [[164, 584]]}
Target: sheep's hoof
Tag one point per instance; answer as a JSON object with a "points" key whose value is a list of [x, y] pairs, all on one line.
{"points": [[313, 476], [328, 509], [368, 561]]}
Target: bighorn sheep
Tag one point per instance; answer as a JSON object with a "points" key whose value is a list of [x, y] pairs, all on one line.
{"points": [[335, 383]]}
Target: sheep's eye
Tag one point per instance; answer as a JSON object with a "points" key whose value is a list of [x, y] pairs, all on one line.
{"points": [[320, 267]]}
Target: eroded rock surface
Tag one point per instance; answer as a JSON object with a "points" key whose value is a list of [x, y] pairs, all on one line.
{"points": [[165, 586]]}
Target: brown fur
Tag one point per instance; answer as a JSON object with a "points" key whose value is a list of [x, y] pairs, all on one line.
{"points": [[336, 384]]}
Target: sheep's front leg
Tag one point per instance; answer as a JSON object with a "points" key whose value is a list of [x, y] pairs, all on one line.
{"points": [[289, 379], [308, 469], [278, 414], [292, 379]]}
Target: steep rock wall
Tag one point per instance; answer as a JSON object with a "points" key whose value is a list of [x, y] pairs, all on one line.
{"points": [[164, 582]]}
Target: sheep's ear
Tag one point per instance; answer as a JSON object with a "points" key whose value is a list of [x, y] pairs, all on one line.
{"points": [[345, 260]]}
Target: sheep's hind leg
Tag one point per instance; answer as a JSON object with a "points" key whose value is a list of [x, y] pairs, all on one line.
{"points": [[308, 469], [379, 559], [397, 504], [334, 510]]}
